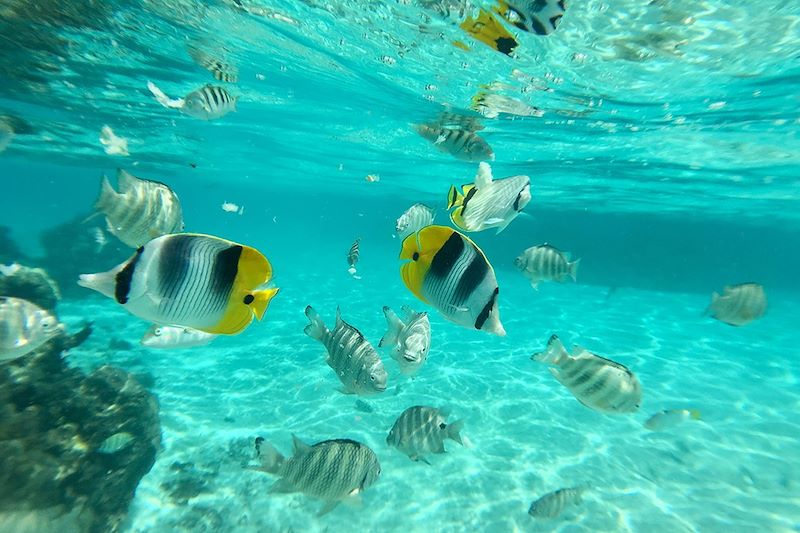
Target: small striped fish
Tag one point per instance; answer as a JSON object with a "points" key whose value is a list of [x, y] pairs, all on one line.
{"points": [[352, 258], [670, 418], [356, 363], [141, 211], [535, 16], [552, 504], [190, 280], [221, 70], [209, 102], [331, 470], [463, 144], [24, 327], [410, 340], [115, 443], [596, 382], [739, 304], [488, 203], [414, 219], [447, 270], [545, 262], [420, 431]]}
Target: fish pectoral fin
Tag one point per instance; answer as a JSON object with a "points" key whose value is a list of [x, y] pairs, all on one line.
{"points": [[496, 220], [344, 390], [327, 508], [282, 486]]}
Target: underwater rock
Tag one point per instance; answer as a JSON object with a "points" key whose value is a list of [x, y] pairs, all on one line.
{"points": [[32, 284], [9, 252], [73, 248], [190, 480], [54, 420]]}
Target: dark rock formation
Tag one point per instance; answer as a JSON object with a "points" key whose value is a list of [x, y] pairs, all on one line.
{"points": [[53, 419], [32, 284], [9, 252]]}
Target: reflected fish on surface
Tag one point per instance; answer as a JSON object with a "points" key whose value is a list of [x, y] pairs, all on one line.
{"points": [[446, 270], [535, 16], [552, 504], [596, 382], [221, 70], [206, 103], [190, 280], [169, 337], [463, 144], [413, 219], [545, 263], [24, 327], [7, 133], [670, 418], [332, 470], [420, 431], [356, 363], [739, 304], [491, 105], [115, 443], [410, 340], [488, 203], [112, 144], [141, 211], [488, 30]]}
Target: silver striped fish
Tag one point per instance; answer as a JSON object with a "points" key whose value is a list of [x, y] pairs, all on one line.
{"points": [[115, 443], [24, 327], [414, 219], [739, 304], [488, 203], [141, 211], [331, 470], [552, 504], [463, 144], [221, 70], [420, 431], [190, 280], [535, 16], [410, 340], [546, 263], [596, 382], [170, 337], [447, 270], [209, 102], [356, 363], [352, 257]]}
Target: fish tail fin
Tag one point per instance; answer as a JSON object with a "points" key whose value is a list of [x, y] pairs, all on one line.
{"points": [[454, 198], [573, 269], [694, 414], [261, 300], [454, 431], [554, 352], [163, 99], [103, 282], [394, 327], [316, 329], [107, 194], [271, 459]]}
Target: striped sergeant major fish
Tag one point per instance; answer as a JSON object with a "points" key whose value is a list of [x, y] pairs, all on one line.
{"points": [[596, 382], [535, 16], [190, 280], [448, 271], [141, 211], [206, 103], [461, 143], [552, 504], [24, 327], [221, 70], [352, 258], [488, 203], [739, 304], [356, 363], [545, 262], [413, 219], [410, 339], [333, 470], [670, 418], [420, 431]]}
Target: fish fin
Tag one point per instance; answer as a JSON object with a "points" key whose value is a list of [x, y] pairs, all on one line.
{"points": [[254, 269], [535, 285], [394, 327], [126, 181], [299, 447], [573, 269], [103, 282], [282, 486], [345, 390], [457, 218], [496, 220], [261, 301], [163, 99], [107, 196], [271, 459], [483, 178], [553, 354], [424, 460], [454, 198], [694, 414], [316, 329], [327, 508], [454, 431]]}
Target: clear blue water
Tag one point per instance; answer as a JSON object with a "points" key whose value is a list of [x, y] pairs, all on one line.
{"points": [[667, 159]]}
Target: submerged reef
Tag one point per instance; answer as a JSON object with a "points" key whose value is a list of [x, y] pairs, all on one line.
{"points": [[32, 284], [57, 470]]}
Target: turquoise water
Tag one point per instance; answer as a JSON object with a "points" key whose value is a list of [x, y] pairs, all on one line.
{"points": [[667, 159]]}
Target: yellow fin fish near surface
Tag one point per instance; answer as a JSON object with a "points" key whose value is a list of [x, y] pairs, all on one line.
{"points": [[190, 280], [446, 270]]}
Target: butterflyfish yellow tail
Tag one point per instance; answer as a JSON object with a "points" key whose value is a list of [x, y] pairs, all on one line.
{"points": [[454, 198], [695, 414], [261, 300]]}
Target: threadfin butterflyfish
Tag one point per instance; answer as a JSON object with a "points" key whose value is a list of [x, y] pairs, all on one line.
{"points": [[190, 280], [446, 270], [488, 30], [535, 16]]}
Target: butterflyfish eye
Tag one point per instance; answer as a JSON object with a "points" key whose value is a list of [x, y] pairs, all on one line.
{"points": [[248, 299], [415, 256]]}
